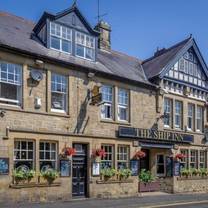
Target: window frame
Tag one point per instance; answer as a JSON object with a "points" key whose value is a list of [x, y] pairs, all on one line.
{"points": [[61, 38], [202, 162], [180, 115], [107, 153], [192, 117], [50, 152], [202, 118], [170, 113], [193, 157], [123, 105], [164, 165], [20, 150], [123, 154], [107, 102], [185, 159], [18, 84], [64, 94], [85, 45]]}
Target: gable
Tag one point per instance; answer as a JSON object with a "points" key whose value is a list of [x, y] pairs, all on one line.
{"points": [[188, 68], [72, 20]]}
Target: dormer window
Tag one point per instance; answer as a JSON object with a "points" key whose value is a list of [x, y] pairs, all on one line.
{"points": [[85, 46], [60, 38]]}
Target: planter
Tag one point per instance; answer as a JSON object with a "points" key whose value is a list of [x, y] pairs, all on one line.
{"points": [[149, 187]]}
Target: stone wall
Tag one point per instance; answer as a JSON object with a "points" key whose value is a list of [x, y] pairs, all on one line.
{"points": [[99, 189], [190, 185]]}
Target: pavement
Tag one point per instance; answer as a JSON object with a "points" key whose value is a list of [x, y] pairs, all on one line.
{"points": [[149, 200]]}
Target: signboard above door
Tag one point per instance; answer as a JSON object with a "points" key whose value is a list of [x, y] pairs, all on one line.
{"points": [[153, 134]]}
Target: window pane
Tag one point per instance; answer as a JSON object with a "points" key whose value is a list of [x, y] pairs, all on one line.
{"points": [[80, 50], [58, 101], [66, 46], [90, 53], [55, 43]]}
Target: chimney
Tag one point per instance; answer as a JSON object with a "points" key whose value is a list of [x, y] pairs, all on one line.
{"points": [[104, 41]]}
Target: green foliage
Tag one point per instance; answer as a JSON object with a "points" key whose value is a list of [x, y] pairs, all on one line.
{"points": [[195, 171], [21, 175], [30, 175], [108, 172], [124, 173], [185, 172], [204, 171], [146, 176], [50, 175]]}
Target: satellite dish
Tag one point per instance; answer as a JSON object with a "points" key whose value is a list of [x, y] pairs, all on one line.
{"points": [[36, 75]]}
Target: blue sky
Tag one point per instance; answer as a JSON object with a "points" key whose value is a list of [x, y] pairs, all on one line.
{"points": [[138, 26]]}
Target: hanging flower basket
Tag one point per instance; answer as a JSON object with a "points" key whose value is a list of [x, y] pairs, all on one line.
{"points": [[179, 156], [140, 154], [67, 152], [97, 154]]}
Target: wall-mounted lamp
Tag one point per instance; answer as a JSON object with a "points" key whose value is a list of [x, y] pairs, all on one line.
{"points": [[39, 62], [90, 75]]}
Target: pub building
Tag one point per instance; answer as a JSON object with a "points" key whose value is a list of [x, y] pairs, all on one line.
{"points": [[72, 106]]}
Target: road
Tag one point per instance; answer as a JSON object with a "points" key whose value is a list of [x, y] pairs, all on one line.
{"points": [[152, 201]]}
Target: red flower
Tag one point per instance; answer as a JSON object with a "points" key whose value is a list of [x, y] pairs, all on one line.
{"points": [[140, 154], [180, 156], [69, 151], [98, 153]]}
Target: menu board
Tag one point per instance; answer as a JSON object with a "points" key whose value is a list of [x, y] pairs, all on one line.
{"points": [[65, 168], [4, 166], [134, 166], [95, 169], [176, 168], [169, 166]]}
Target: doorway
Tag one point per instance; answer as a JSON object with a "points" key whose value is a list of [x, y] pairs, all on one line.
{"points": [[144, 162], [79, 171]]}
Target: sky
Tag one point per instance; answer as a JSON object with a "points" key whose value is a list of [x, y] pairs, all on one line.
{"points": [[138, 26]]}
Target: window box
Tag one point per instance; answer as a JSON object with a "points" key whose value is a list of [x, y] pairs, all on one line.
{"points": [[114, 181], [149, 187], [32, 185]]}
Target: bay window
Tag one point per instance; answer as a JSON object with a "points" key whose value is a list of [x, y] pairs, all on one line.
{"points": [[85, 46], [24, 154], [10, 83], [48, 155], [178, 114], [193, 159], [199, 118], [122, 156], [123, 105], [107, 159], [167, 112], [202, 159], [107, 98], [58, 92], [190, 124], [184, 160], [61, 38]]}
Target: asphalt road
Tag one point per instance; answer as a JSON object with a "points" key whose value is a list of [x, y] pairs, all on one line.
{"points": [[160, 201]]}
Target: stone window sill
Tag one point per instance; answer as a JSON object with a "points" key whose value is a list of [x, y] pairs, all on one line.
{"points": [[114, 181], [115, 122], [32, 185]]}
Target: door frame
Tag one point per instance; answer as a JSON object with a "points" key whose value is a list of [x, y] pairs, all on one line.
{"points": [[87, 170]]}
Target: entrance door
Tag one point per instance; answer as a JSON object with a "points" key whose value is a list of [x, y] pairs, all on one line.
{"points": [[144, 162], [79, 171]]}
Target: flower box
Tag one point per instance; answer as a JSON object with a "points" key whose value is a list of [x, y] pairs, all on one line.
{"points": [[149, 187]]}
